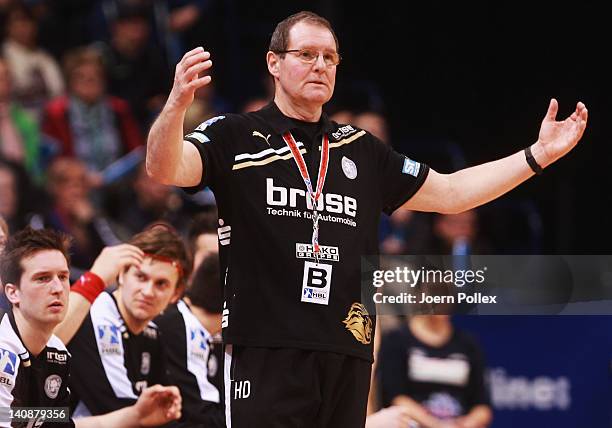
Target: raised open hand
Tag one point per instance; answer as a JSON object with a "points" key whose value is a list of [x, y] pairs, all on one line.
{"points": [[557, 138], [187, 77]]}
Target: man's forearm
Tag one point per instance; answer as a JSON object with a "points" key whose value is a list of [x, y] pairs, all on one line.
{"points": [[471, 187], [416, 411], [122, 418], [479, 417], [78, 309], [475, 186], [165, 145]]}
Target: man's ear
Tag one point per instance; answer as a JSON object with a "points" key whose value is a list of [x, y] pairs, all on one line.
{"points": [[120, 277], [12, 293], [273, 61], [178, 293]]}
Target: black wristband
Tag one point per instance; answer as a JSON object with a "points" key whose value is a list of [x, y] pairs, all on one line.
{"points": [[533, 164]]}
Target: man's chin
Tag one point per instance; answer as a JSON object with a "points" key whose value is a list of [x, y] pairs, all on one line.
{"points": [[143, 315], [318, 96], [51, 320]]}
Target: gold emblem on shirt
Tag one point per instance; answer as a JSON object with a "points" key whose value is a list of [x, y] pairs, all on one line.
{"points": [[359, 323]]}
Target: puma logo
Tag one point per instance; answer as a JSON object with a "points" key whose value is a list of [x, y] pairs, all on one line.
{"points": [[260, 135]]}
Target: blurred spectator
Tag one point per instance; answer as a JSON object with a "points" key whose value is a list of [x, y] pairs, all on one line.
{"points": [[206, 104], [35, 74], [148, 202], [88, 123], [404, 232], [63, 25], [342, 116], [255, 104], [456, 234], [265, 94], [203, 238], [183, 17], [19, 134], [136, 71], [436, 372], [373, 122], [18, 196], [5, 6], [72, 212]]}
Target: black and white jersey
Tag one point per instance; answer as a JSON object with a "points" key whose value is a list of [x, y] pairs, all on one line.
{"points": [[448, 380], [194, 360], [111, 366], [276, 294], [32, 381]]}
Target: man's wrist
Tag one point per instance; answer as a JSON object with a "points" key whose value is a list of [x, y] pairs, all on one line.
{"points": [[89, 285], [175, 108], [132, 416], [533, 156]]}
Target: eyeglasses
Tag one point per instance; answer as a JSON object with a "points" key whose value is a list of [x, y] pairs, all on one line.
{"points": [[310, 56]]}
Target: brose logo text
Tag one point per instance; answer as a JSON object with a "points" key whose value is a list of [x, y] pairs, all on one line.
{"points": [[330, 202]]}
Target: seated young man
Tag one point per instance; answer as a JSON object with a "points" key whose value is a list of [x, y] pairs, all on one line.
{"points": [[116, 343], [34, 364], [436, 372], [191, 331]]}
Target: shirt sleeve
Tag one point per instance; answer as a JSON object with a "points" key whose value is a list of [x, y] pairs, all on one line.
{"points": [[477, 389], [212, 141], [112, 389], [400, 177], [6, 398]]}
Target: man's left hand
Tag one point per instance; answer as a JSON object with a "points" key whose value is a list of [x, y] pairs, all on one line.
{"points": [[557, 138]]}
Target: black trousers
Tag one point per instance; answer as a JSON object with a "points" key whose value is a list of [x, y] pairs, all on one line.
{"points": [[291, 388]]}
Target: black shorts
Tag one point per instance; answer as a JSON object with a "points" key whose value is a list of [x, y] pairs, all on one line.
{"points": [[291, 388]]}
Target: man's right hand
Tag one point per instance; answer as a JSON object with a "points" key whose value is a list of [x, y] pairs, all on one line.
{"points": [[113, 259], [187, 78]]}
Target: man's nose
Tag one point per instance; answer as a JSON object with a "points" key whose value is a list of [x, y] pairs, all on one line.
{"points": [[319, 63], [56, 285], [147, 289]]}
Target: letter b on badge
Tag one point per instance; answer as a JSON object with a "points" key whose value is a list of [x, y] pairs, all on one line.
{"points": [[316, 283]]}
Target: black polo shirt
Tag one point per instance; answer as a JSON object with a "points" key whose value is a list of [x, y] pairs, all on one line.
{"points": [[111, 365], [275, 293], [448, 380], [32, 381], [194, 360]]}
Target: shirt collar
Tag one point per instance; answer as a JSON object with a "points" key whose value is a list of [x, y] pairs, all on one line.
{"points": [[281, 123], [24, 354]]}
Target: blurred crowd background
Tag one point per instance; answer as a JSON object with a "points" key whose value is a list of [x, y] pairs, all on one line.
{"points": [[451, 85]]}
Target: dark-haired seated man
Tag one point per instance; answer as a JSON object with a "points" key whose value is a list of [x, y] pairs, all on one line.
{"points": [[204, 234], [116, 343], [34, 363], [191, 330]]}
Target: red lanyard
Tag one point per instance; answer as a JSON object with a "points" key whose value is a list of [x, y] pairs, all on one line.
{"points": [[315, 194]]}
